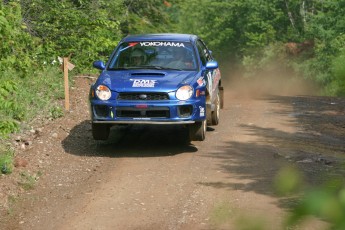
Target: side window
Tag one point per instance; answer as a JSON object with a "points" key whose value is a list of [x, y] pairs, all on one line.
{"points": [[202, 52]]}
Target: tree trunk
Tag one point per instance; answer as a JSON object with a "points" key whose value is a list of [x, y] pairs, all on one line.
{"points": [[290, 14]]}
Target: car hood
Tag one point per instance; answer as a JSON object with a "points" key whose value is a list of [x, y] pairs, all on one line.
{"points": [[130, 81]]}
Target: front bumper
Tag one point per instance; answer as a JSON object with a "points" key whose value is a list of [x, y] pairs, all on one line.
{"points": [[142, 122], [148, 112]]}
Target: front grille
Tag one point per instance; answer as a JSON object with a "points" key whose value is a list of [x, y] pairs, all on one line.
{"points": [[159, 112], [143, 96]]}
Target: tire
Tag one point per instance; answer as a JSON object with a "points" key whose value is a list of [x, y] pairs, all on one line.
{"points": [[216, 112], [100, 131], [197, 131], [221, 92]]}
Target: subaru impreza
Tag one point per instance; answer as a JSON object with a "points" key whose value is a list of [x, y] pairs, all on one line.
{"points": [[157, 79]]}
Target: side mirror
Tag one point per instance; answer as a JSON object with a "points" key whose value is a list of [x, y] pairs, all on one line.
{"points": [[99, 65], [212, 65]]}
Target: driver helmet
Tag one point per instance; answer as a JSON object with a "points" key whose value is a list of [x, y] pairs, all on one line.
{"points": [[138, 56]]}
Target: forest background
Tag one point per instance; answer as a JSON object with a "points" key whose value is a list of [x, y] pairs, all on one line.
{"points": [[304, 38]]}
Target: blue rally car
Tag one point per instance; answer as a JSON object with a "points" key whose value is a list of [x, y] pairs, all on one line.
{"points": [[157, 79]]}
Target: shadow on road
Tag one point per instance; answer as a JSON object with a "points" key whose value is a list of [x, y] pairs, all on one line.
{"points": [[129, 141], [317, 149]]}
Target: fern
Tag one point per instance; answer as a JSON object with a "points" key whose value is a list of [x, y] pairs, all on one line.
{"points": [[7, 127]]}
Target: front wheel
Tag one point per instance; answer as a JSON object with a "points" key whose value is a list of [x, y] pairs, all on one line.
{"points": [[100, 131], [197, 131]]}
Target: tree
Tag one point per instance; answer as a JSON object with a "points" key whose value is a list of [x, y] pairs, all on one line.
{"points": [[87, 30], [146, 16], [17, 47]]}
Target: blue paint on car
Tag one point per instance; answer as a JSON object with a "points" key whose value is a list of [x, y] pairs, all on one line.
{"points": [[157, 79]]}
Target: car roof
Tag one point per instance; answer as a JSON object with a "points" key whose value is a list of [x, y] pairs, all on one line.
{"points": [[161, 37]]}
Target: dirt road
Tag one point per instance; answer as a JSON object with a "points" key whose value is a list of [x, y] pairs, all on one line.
{"points": [[150, 178]]}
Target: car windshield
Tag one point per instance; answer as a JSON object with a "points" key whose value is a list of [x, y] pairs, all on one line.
{"points": [[154, 55]]}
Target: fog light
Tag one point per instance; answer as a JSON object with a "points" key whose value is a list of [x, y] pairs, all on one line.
{"points": [[101, 110], [185, 111]]}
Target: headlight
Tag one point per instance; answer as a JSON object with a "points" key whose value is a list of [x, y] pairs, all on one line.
{"points": [[103, 92], [184, 92]]}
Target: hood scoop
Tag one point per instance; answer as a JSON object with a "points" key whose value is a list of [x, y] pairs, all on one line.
{"points": [[148, 74]]}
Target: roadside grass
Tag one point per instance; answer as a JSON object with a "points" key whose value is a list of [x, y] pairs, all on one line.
{"points": [[22, 100], [223, 215], [40, 92], [12, 200], [220, 214], [28, 181], [6, 160]]}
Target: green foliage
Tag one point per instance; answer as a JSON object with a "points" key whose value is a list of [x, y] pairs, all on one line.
{"points": [[255, 31], [89, 30], [21, 100], [251, 223], [288, 181], [7, 127], [337, 86], [6, 161], [85, 30], [8, 102], [238, 27], [326, 202], [16, 52], [9, 108], [28, 181], [221, 214], [325, 24], [56, 112], [198, 17], [146, 16]]}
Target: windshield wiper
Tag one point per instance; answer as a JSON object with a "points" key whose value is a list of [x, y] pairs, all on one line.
{"points": [[145, 67], [151, 67], [118, 68], [168, 68]]}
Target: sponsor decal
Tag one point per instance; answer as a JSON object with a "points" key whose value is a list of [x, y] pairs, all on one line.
{"points": [[202, 111], [131, 44], [175, 44], [201, 81], [141, 106], [143, 83]]}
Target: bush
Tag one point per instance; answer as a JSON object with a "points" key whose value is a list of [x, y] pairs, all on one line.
{"points": [[6, 161], [37, 96], [337, 85]]}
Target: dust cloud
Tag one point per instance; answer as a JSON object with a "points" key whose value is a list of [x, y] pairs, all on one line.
{"points": [[273, 81]]}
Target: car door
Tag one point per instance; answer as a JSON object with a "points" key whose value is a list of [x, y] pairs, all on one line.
{"points": [[211, 76]]}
